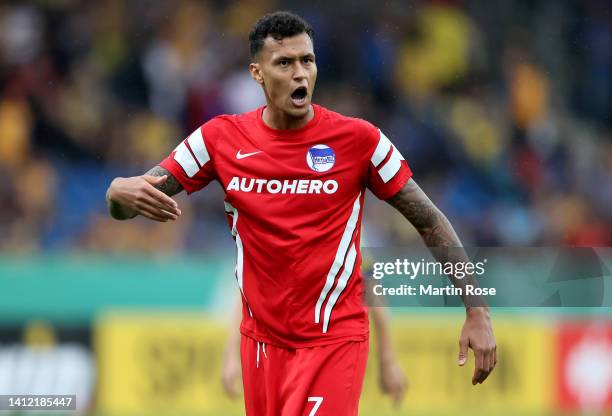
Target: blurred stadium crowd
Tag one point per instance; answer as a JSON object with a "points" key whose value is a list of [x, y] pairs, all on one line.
{"points": [[502, 109]]}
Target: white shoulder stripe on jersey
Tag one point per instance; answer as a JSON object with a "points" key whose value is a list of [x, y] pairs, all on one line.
{"points": [[184, 158], [393, 165], [198, 147], [343, 247], [342, 281], [382, 150]]}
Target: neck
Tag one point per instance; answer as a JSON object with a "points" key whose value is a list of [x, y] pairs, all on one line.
{"points": [[280, 120]]}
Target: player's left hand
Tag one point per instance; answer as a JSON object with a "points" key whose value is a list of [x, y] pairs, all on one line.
{"points": [[393, 381], [477, 334]]}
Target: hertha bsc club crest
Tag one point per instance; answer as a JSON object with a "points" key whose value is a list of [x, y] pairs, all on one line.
{"points": [[320, 158]]}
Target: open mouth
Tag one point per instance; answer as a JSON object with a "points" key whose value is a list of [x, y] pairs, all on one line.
{"points": [[298, 97]]}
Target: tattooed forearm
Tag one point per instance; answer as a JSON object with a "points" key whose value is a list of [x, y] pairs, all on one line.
{"points": [[437, 233], [171, 186], [434, 227]]}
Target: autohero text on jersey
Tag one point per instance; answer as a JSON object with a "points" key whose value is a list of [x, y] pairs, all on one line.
{"points": [[275, 186]]}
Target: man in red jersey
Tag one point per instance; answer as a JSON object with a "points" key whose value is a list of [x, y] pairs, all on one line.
{"points": [[295, 176]]}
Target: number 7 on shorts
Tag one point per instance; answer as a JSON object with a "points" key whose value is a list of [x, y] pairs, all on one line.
{"points": [[318, 400]]}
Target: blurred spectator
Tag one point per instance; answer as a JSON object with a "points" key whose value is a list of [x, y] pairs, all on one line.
{"points": [[502, 111]]}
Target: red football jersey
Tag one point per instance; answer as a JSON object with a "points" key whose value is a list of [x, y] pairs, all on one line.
{"points": [[294, 203]]}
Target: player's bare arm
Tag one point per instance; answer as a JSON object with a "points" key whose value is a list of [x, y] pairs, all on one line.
{"points": [[391, 377], [437, 232], [148, 195], [231, 372]]}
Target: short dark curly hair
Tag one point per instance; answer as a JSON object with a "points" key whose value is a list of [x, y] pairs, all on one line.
{"points": [[279, 25]]}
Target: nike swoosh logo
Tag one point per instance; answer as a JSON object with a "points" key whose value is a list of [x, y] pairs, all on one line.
{"points": [[243, 155]]}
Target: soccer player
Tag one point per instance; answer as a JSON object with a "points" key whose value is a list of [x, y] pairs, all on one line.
{"points": [[295, 175]]}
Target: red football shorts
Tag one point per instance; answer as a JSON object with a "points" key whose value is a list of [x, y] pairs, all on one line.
{"points": [[314, 381]]}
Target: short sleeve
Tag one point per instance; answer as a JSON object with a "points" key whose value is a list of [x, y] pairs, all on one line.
{"points": [[190, 162], [387, 171]]}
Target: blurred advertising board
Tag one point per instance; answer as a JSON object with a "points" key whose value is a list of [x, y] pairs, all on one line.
{"points": [[584, 366], [153, 362], [158, 363], [40, 358], [427, 347]]}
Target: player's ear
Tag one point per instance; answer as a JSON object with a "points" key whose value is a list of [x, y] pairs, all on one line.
{"points": [[256, 73]]}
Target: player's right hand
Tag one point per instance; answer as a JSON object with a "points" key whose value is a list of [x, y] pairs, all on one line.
{"points": [[139, 195]]}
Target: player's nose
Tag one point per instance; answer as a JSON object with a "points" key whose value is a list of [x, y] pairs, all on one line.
{"points": [[299, 73]]}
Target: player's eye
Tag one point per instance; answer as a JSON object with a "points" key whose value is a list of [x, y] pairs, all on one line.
{"points": [[283, 62], [308, 60]]}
